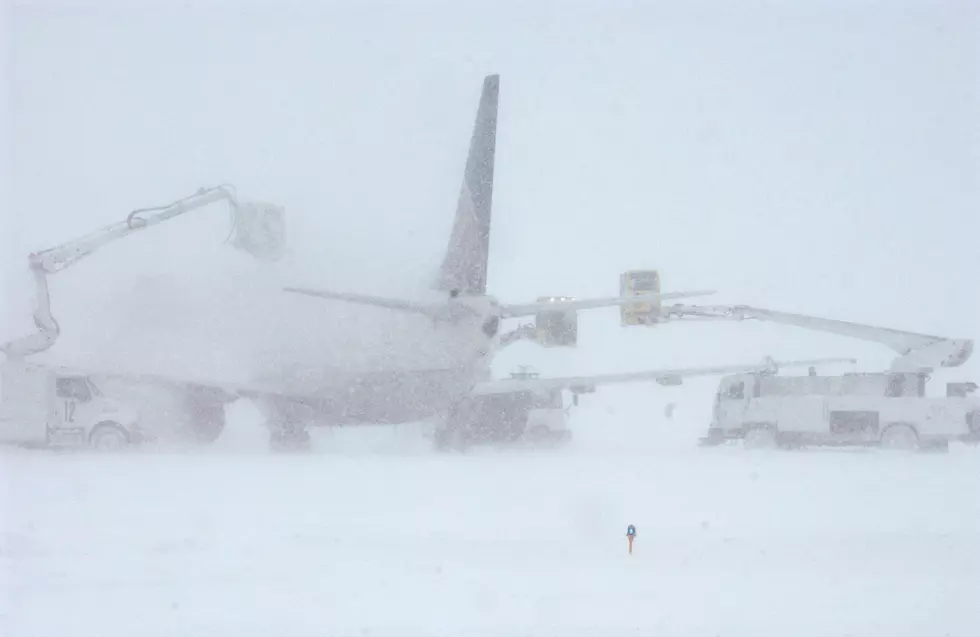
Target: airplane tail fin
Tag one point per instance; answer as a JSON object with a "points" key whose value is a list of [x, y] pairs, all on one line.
{"points": [[464, 266]]}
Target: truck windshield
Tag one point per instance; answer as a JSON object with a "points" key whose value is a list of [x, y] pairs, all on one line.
{"points": [[736, 391], [92, 387]]}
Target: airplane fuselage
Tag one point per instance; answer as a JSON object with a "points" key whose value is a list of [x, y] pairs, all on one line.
{"points": [[428, 365]]}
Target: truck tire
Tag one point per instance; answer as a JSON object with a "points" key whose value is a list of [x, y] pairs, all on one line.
{"points": [[207, 420], [537, 434], [541, 436], [761, 436], [442, 439], [899, 437], [108, 436], [290, 440]]}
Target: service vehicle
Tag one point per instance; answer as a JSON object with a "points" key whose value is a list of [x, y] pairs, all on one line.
{"points": [[42, 406], [888, 409], [639, 283]]}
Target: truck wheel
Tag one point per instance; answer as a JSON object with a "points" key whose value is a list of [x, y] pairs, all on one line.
{"points": [[899, 438], [760, 437], [538, 434], [290, 438], [442, 439], [452, 433], [108, 437], [207, 420]]}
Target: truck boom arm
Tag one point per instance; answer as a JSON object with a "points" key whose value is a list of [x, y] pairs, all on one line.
{"points": [[257, 229], [916, 352]]}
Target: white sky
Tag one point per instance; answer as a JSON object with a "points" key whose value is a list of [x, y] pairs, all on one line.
{"points": [[818, 157]]}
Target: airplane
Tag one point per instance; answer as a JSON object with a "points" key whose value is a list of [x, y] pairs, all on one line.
{"points": [[426, 360], [450, 380], [435, 366], [468, 320]]}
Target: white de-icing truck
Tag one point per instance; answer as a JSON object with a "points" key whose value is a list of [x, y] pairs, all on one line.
{"points": [[887, 409], [50, 405], [44, 406]]}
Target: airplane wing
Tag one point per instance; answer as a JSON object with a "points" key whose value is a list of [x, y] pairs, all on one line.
{"points": [[225, 391], [529, 309], [666, 377], [392, 304], [444, 310]]}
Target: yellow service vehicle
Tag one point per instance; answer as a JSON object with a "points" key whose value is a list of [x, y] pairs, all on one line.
{"points": [[634, 283]]}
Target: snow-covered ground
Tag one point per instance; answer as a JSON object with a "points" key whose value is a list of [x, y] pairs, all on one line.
{"points": [[386, 538]]}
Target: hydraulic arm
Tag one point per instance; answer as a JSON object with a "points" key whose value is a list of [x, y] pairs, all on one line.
{"points": [[258, 228], [916, 352]]}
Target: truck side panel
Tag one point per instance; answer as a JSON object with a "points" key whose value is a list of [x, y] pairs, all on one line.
{"points": [[802, 414], [930, 416]]}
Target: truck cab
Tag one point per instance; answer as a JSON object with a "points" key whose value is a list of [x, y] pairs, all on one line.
{"points": [[43, 406]]}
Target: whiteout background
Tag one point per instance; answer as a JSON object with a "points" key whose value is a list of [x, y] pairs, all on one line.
{"points": [[818, 157]]}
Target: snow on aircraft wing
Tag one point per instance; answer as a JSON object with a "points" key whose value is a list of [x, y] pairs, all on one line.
{"points": [[512, 310], [378, 301], [662, 376], [227, 391]]}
